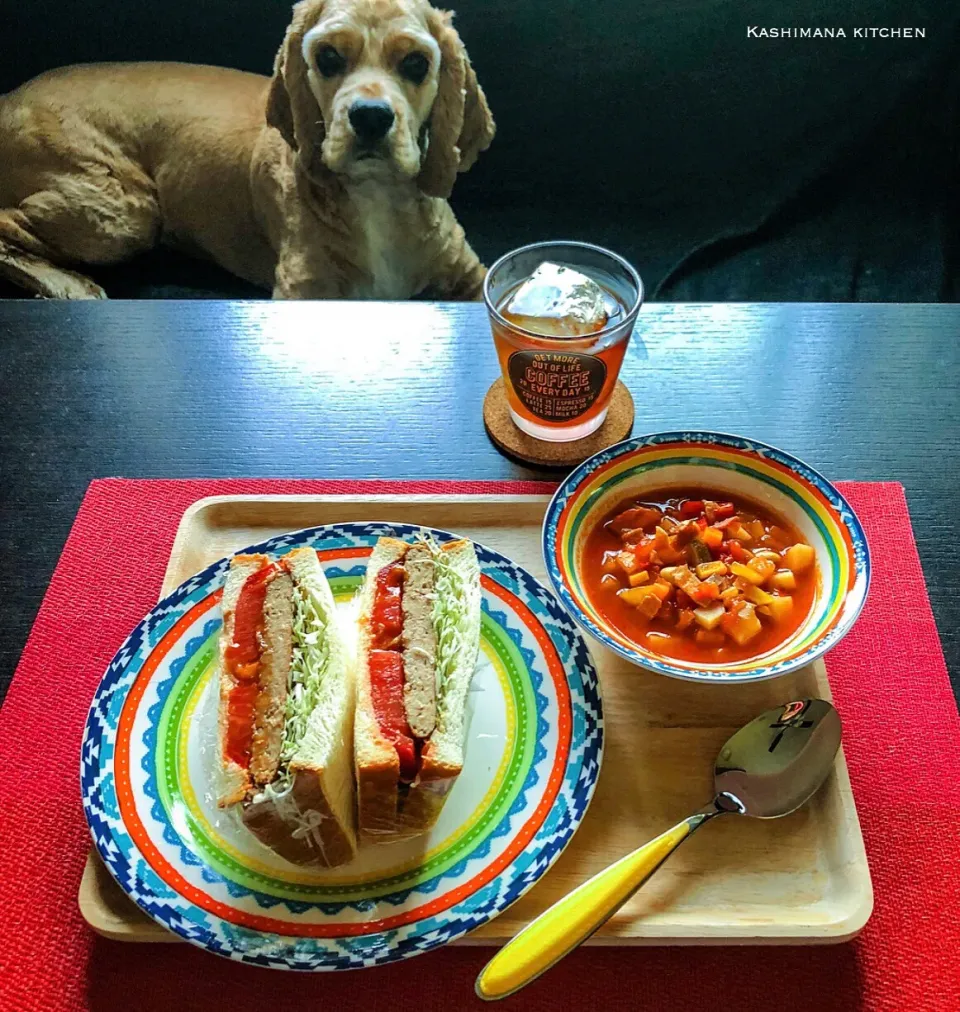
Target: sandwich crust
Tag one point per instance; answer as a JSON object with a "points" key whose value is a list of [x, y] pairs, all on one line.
{"points": [[302, 827]]}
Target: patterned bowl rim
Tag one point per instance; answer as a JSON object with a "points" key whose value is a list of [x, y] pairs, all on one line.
{"points": [[582, 763], [844, 516]]}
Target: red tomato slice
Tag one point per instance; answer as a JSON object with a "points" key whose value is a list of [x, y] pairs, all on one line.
{"points": [[243, 660], [247, 619], [386, 690], [240, 707], [386, 621]]}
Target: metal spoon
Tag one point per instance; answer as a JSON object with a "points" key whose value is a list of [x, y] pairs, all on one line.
{"points": [[769, 768]]}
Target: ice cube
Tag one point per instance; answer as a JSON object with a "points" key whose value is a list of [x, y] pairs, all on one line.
{"points": [[558, 302]]}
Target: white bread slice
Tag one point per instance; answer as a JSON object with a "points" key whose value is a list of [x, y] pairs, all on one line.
{"points": [[458, 576], [235, 779], [387, 811], [309, 818]]}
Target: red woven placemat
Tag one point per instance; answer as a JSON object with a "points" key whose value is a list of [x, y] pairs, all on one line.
{"points": [[902, 746]]}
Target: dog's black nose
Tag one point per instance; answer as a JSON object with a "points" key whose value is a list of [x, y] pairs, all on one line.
{"points": [[371, 118]]}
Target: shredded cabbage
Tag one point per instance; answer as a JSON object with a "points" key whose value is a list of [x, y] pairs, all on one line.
{"points": [[451, 617], [309, 662]]}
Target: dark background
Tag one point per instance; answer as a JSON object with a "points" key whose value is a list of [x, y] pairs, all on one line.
{"points": [[797, 168]]}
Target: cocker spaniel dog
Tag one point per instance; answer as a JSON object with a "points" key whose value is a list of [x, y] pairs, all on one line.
{"points": [[328, 180]]}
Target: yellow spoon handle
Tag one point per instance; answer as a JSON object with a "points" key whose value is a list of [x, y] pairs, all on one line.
{"points": [[572, 920]]}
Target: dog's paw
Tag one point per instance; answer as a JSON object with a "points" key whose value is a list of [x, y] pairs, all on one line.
{"points": [[45, 280]]}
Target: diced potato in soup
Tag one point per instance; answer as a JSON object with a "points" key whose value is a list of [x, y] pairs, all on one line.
{"points": [[698, 576]]}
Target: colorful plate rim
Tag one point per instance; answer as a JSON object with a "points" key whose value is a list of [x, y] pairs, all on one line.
{"points": [[580, 727], [557, 542]]}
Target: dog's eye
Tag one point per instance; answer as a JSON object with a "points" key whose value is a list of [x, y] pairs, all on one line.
{"points": [[330, 62], [414, 67]]}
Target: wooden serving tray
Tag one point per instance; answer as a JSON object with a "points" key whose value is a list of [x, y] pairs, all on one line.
{"points": [[801, 879]]}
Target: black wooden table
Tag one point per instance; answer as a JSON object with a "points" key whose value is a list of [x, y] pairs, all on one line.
{"points": [[212, 389]]}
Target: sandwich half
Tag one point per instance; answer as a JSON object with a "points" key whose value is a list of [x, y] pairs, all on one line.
{"points": [[419, 637], [286, 708]]}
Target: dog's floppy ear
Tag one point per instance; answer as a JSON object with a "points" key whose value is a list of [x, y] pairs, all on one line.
{"points": [[478, 126], [291, 106], [460, 122]]}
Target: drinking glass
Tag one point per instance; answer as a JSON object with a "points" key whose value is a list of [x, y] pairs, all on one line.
{"points": [[559, 388]]}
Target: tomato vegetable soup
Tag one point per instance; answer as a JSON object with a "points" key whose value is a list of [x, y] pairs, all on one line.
{"points": [[699, 577]]}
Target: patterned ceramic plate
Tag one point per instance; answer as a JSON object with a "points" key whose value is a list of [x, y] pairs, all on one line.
{"points": [[149, 755]]}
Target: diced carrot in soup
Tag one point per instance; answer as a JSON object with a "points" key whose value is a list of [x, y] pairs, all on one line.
{"points": [[706, 593], [712, 538]]}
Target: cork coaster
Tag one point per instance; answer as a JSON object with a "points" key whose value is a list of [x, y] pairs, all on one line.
{"points": [[515, 443]]}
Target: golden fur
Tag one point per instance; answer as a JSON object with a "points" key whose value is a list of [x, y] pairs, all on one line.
{"points": [[261, 175]]}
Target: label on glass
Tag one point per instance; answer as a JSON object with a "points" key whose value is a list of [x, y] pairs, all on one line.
{"points": [[554, 386]]}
